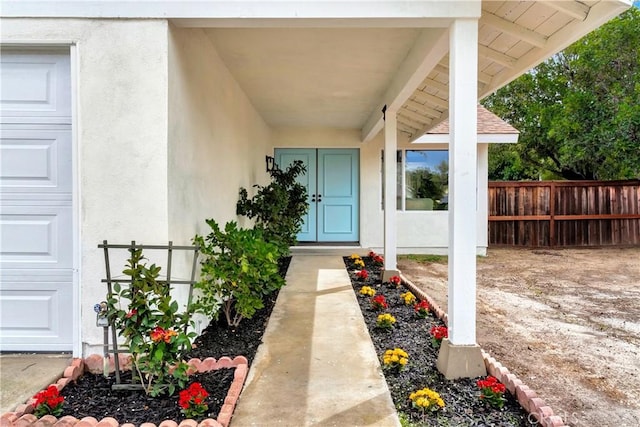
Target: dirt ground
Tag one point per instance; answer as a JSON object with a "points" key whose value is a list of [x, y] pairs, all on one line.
{"points": [[566, 322]]}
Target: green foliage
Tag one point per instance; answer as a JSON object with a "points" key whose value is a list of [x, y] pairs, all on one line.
{"points": [[239, 269], [425, 183], [154, 330], [278, 208], [578, 112]]}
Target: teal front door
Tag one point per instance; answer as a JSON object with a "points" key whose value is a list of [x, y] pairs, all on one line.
{"points": [[332, 186]]}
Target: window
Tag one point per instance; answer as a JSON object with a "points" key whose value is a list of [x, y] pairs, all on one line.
{"points": [[423, 180]]}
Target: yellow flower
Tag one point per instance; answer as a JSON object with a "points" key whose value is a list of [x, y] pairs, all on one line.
{"points": [[408, 298], [385, 321], [358, 263], [426, 399], [366, 290], [354, 256]]}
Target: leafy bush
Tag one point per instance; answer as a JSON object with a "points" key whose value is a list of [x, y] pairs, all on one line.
{"points": [[278, 208], [239, 268], [154, 331]]}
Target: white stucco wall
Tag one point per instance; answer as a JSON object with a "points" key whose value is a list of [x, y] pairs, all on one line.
{"points": [[217, 143], [217, 140], [418, 231], [119, 83]]}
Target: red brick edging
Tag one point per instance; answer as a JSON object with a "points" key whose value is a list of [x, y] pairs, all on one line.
{"points": [[23, 414], [527, 397]]}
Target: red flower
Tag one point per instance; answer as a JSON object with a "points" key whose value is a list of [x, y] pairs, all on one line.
{"points": [[492, 391], [48, 401], [157, 334], [379, 302], [439, 332], [50, 397], [498, 388], [132, 313], [395, 280], [422, 308], [193, 400], [493, 384], [378, 259], [373, 254], [362, 274]]}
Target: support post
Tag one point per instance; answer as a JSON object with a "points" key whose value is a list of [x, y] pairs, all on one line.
{"points": [[460, 355], [390, 195]]}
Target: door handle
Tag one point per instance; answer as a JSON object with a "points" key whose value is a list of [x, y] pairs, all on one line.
{"points": [[313, 198], [319, 198]]}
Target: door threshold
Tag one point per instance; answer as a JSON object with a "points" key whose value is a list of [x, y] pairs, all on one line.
{"points": [[333, 244], [329, 248]]}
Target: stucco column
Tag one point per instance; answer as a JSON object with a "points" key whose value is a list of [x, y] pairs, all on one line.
{"points": [[460, 355], [390, 195]]}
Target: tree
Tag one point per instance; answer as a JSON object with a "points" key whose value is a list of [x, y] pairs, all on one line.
{"points": [[578, 113]]}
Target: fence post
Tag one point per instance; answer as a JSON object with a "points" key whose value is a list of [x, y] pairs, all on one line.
{"points": [[552, 213]]}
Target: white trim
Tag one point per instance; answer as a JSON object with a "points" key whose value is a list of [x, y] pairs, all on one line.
{"points": [[31, 45], [75, 167], [483, 138], [228, 9], [428, 50]]}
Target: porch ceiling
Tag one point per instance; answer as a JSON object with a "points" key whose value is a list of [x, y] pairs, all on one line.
{"points": [[314, 77], [341, 76]]}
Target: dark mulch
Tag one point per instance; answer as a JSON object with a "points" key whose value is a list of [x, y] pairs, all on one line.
{"points": [[92, 394], [461, 397]]}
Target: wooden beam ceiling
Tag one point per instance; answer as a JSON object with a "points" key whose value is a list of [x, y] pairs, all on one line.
{"points": [[518, 31]]}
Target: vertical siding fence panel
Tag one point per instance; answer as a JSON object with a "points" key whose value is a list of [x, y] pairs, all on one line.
{"points": [[564, 213]]}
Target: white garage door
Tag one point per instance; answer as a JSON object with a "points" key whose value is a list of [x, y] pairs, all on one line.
{"points": [[36, 188]]}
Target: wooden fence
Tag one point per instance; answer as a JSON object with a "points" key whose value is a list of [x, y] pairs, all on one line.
{"points": [[564, 213]]}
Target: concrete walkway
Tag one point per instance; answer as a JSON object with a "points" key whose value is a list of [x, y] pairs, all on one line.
{"points": [[23, 375], [317, 365]]}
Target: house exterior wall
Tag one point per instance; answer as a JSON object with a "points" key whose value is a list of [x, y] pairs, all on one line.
{"points": [[217, 143], [164, 137], [418, 231], [119, 81], [217, 140]]}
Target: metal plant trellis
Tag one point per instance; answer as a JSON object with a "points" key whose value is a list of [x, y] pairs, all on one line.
{"points": [[168, 280]]}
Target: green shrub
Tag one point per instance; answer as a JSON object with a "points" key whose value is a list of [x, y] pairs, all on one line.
{"points": [[152, 326], [278, 208], [239, 269]]}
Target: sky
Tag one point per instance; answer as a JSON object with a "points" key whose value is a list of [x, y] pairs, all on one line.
{"points": [[423, 158]]}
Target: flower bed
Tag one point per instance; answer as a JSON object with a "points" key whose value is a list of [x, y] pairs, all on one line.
{"points": [[419, 326], [23, 415]]}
